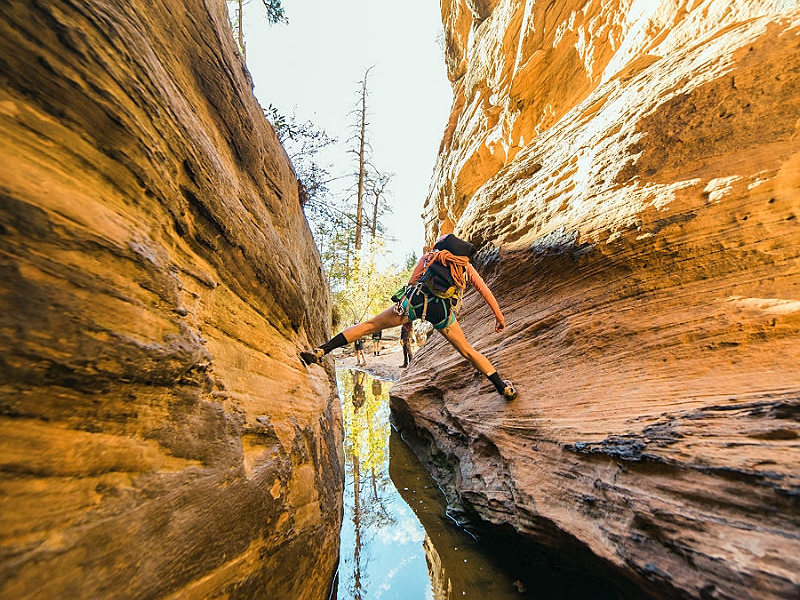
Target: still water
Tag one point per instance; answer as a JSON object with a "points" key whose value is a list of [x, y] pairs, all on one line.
{"points": [[396, 542]]}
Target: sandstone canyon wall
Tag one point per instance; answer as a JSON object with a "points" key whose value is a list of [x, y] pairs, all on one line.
{"points": [[158, 436], [632, 172]]}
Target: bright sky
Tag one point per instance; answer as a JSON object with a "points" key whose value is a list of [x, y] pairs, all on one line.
{"points": [[313, 64]]}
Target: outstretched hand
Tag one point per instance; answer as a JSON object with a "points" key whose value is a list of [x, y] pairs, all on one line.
{"points": [[499, 325]]}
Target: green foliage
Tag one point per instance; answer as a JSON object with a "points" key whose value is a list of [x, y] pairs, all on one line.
{"points": [[367, 428], [275, 12], [278, 119], [301, 138], [411, 261], [365, 412], [303, 141], [333, 231], [360, 287], [365, 288]]}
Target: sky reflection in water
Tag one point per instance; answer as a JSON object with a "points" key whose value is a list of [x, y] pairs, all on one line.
{"points": [[389, 551]]}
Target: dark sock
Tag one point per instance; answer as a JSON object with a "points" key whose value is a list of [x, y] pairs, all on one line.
{"points": [[335, 342], [498, 383]]}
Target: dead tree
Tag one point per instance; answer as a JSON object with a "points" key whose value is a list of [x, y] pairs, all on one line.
{"points": [[378, 184], [361, 152]]}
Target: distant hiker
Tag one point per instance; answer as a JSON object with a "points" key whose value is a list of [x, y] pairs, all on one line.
{"points": [[434, 294], [376, 342], [405, 342], [358, 344], [361, 360]]}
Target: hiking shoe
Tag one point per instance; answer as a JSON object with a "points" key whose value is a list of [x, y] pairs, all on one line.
{"points": [[311, 357], [509, 392]]}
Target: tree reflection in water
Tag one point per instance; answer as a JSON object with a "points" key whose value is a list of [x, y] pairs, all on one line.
{"points": [[366, 422], [397, 542]]}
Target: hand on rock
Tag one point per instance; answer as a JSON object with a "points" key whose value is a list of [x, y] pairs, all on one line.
{"points": [[499, 325]]}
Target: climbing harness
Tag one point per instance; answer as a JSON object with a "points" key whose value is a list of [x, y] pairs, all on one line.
{"points": [[417, 303]]}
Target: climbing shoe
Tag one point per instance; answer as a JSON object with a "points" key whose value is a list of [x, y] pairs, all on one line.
{"points": [[310, 357], [509, 392]]}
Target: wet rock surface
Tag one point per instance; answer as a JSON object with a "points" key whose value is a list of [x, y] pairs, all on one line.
{"points": [[158, 435], [632, 172]]}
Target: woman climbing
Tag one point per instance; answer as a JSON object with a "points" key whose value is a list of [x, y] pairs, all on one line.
{"points": [[434, 294]]}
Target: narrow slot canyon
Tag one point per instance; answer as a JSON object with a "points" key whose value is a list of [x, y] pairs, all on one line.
{"points": [[629, 173]]}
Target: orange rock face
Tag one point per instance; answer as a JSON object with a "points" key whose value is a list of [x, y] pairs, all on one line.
{"points": [[632, 170], [158, 436]]}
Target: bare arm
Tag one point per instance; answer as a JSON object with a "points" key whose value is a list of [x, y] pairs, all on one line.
{"points": [[475, 279]]}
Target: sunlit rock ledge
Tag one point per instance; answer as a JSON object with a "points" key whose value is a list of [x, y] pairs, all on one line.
{"points": [[632, 172], [159, 437]]}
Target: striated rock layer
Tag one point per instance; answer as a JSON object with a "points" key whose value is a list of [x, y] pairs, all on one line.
{"points": [[632, 170], [158, 436]]}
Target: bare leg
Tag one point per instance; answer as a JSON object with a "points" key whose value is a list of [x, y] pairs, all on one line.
{"points": [[388, 318], [455, 335], [381, 321]]}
